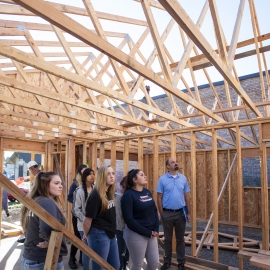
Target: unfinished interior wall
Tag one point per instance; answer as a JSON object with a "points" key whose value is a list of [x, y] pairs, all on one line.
{"points": [[228, 205]]}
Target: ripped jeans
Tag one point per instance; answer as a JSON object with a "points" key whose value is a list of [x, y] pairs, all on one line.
{"points": [[141, 247]]}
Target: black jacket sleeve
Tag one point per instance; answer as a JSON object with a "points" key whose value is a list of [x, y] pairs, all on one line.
{"points": [[71, 190]]}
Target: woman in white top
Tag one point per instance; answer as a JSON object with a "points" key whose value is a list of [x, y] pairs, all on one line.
{"points": [[80, 197]]}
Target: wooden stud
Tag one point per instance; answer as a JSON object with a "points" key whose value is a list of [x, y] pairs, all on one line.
{"points": [[84, 153], [126, 156], [101, 153], [264, 191], [140, 154], [94, 156], [193, 193], [53, 250], [239, 193], [113, 155], [215, 192]]}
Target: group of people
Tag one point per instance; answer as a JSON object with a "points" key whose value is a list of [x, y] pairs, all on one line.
{"points": [[119, 226]]}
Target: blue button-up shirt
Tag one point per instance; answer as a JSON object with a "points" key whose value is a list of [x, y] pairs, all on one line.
{"points": [[173, 189]]}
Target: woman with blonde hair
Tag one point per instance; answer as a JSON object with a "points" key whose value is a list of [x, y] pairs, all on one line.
{"points": [[46, 192], [99, 225]]}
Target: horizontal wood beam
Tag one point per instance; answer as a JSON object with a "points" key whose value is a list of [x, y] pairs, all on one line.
{"points": [[15, 10], [47, 12]]}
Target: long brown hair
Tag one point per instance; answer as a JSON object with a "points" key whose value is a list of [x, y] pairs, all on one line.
{"points": [[101, 187], [40, 188]]}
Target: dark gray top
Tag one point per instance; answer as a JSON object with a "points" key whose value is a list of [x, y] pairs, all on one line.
{"points": [[38, 231]]}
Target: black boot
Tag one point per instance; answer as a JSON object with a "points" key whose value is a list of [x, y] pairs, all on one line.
{"points": [[72, 263]]}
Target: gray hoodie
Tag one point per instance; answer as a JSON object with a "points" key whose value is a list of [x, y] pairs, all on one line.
{"points": [[78, 207]]}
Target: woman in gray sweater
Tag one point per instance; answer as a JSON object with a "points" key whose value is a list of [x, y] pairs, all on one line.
{"points": [[46, 192], [80, 197]]}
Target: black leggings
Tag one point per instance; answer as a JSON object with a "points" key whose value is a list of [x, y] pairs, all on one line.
{"points": [[73, 249]]}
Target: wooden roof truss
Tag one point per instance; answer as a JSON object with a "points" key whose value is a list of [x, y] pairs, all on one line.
{"points": [[46, 93]]}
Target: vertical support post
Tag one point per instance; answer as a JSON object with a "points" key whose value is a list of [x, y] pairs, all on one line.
{"points": [[173, 146], [113, 155], [140, 153], [49, 149], [155, 168], [126, 156], [31, 175], [53, 250], [90, 156], [264, 192], [70, 161], [240, 193], [146, 168], [215, 192], [84, 153], [102, 153], [94, 156], [229, 185], [173, 155], [193, 193], [205, 184]]}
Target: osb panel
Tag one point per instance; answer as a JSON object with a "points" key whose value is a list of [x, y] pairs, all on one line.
{"points": [[234, 195], [223, 209], [188, 168], [200, 189], [251, 207], [161, 165], [260, 208], [209, 184], [179, 158]]}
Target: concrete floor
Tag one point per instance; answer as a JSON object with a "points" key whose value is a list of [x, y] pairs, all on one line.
{"points": [[11, 252]]}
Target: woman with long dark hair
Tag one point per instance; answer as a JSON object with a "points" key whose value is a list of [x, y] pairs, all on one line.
{"points": [[73, 250], [80, 197], [99, 225], [142, 224], [46, 192]]}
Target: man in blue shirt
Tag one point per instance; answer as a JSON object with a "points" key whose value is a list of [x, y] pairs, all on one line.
{"points": [[172, 200]]}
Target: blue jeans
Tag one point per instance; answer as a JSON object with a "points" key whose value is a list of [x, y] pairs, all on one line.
{"points": [[85, 258], [105, 247], [35, 265], [123, 251]]}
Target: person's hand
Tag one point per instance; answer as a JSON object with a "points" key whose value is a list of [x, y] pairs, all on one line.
{"points": [[154, 234], [84, 239], [43, 244], [189, 218]]}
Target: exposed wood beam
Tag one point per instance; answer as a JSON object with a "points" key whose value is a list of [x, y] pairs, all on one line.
{"points": [[181, 17], [47, 12], [16, 10]]}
